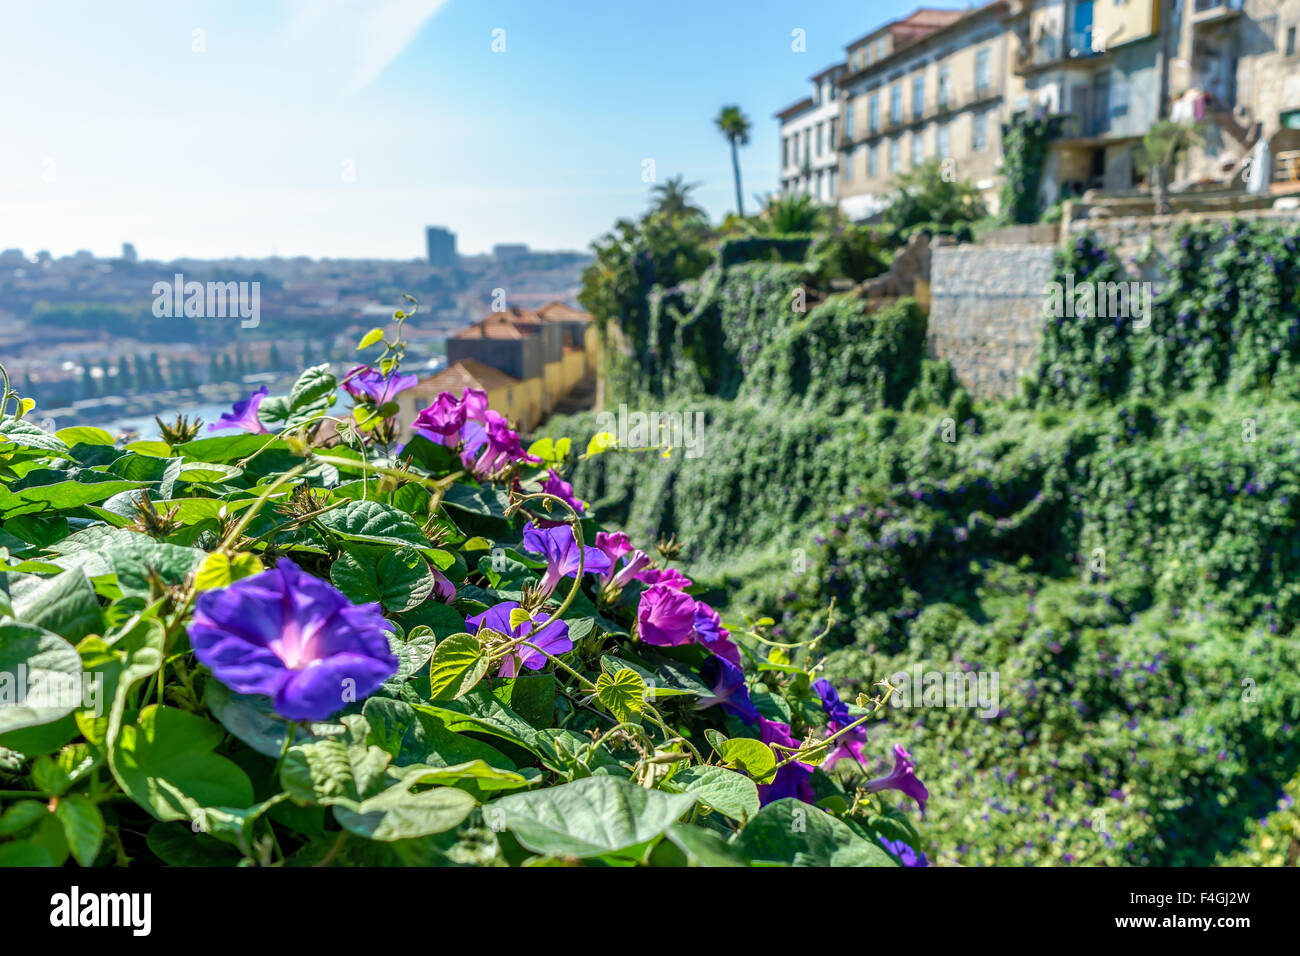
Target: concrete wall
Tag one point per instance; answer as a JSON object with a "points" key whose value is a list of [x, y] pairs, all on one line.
{"points": [[986, 311]]}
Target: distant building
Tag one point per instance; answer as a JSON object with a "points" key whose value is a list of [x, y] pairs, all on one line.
{"points": [[12, 257], [929, 86], [128, 253], [440, 244], [525, 360], [810, 140], [508, 252]]}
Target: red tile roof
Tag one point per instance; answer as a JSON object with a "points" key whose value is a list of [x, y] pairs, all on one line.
{"points": [[467, 373]]}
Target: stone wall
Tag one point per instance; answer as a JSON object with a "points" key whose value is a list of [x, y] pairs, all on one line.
{"points": [[986, 311]]}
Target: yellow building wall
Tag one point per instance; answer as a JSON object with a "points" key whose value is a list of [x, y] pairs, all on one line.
{"points": [[554, 383], [591, 342], [575, 367]]}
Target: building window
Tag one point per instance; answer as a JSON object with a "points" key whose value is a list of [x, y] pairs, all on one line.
{"points": [[918, 95], [873, 113], [821, 138], [849, 160], [983, 71], [895, 151], [833, 124], [979, 140], [918, 148], [1290, 41], [941, 145], [944, 93], [896, 103], [848, 121], [785, 151], [873, 162]]}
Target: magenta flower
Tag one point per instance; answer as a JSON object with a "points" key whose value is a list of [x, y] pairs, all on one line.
{"points": [[669, 576], [294, 638], [615, 544], [555, 485], [475, 402], [726, 681], [444, 417], [560, 548], [500, 447], [365, 384], [243, 415], [792, 780], [902, 777], [710, 632], [550, 636], [665, 616], [632, 565]]}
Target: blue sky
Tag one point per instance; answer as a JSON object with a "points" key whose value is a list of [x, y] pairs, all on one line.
{"points": [[343, 127]]}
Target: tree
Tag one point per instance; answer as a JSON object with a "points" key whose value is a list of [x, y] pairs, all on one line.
{"points": [[735, 126], [929, 198], [1160, 148], [792, 214], [672, 197]]}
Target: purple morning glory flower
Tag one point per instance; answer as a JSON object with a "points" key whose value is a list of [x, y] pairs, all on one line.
{"points": [[665, 616], [500, 446], [669, 576], [792, 780], [443, 589], [555, 485], [365, 384], [443, 417], [243, 415], [294, 638], [902, 777], [906, 855], [835, 708], [560, 549], [849, 746], [710, 632], [551, 637], [727, 682]]}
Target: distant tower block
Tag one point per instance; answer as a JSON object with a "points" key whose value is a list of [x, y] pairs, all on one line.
{"points": [[441, 245]]}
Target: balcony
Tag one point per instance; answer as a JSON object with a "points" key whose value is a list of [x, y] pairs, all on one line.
{"points": [[1080, 46], [1088, 116], [1205, 12]]}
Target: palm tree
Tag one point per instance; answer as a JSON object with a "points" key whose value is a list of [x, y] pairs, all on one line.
{"points": [[673, 197], [734, 125], [1159, 150]]}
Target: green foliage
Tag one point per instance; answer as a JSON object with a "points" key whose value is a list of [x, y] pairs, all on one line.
{"points": [[1026, 141], [927, 198], [596, 756], [1203, 332]]}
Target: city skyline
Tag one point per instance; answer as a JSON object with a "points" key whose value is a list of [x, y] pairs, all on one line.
{"points": [[341, 130]]}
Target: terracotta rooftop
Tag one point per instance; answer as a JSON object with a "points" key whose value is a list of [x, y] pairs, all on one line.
{"points": [[467, 373], [559, 312], [499, 325]]}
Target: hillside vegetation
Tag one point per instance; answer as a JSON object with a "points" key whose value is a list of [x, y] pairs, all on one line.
{"points": [[1118, 544]]}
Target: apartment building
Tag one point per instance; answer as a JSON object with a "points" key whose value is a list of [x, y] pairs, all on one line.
{"points": [[1101, 66], [809, 157], [1237, 70], [928, 86]]}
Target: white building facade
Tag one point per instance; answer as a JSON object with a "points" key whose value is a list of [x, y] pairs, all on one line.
{"points": [[810, 132]]}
